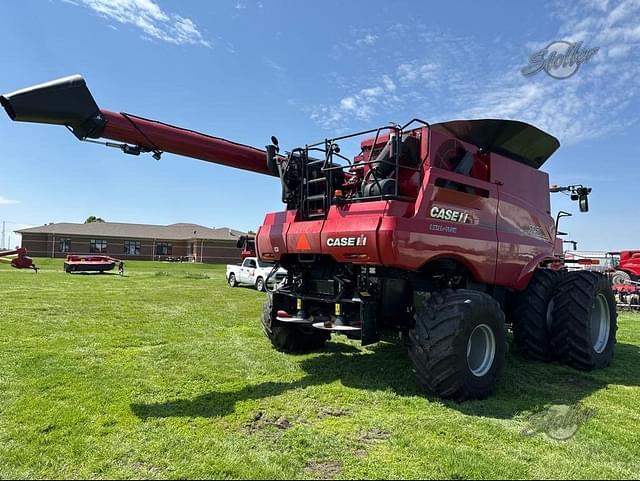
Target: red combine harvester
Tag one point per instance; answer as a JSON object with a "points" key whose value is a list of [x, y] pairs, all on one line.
{"points": [[99, 264], [442, 232], [22, 261]]}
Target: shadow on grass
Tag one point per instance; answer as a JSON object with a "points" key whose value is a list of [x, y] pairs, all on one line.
{"points": [[94, 273], [526, 385]]}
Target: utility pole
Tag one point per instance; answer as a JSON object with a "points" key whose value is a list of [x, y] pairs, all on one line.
{"points": [[3, 231]]}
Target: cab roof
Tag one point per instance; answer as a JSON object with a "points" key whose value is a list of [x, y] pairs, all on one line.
{"points": [[516, 140]]}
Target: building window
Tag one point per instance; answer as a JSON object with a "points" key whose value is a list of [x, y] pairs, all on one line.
{"points": [[132, 247], [64, 245], [97, 246], [164, 249]]}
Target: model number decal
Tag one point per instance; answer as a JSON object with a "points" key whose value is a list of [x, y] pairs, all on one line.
{"points": [[347, 241], [443, 228], [450, 214]]}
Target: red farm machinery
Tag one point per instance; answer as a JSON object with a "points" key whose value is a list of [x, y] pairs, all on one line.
{"points": [[441, 232], [624, 269], [100, 264], [248, 245], [18, 259]]}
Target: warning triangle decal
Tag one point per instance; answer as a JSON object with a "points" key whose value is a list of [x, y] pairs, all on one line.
{"points": [[303, 243]]}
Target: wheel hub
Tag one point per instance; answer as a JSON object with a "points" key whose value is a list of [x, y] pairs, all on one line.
{"points": [[600, 323], [481, 350]]}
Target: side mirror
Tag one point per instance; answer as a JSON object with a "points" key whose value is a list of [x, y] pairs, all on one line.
{"points": [[272, 156], [583, 202]]}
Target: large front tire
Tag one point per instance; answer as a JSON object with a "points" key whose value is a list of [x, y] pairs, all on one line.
{"points": [[585, 321], [458, 345], [533, 315], [290, 338]]}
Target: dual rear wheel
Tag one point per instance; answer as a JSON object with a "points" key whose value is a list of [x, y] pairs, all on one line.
{"points": [[459, 343], [569, 317]]}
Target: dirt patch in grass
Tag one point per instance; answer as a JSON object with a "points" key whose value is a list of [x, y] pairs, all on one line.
{"points": [[144, 468], [324, 469], [261, 422], [329, 412], [374, 435], [360, 453]]}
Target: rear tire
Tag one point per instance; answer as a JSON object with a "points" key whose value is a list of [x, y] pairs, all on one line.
{"points": [[533, 315], [458, 345], [289, 338], [585, 321], [232, 280], [260, 284]]}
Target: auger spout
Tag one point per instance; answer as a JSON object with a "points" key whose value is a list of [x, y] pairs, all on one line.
{"points": [[68, 102]]}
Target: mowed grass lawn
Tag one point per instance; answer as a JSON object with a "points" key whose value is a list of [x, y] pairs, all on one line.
{"points": [[169, 376]]}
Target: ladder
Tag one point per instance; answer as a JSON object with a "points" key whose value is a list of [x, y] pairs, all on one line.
{"points": [[315, 191]]}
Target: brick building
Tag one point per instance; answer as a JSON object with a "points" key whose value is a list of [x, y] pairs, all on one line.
{"points": [[134, 241]]}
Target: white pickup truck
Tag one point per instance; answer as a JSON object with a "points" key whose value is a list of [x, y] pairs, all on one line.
{"points": [[254, 272]]}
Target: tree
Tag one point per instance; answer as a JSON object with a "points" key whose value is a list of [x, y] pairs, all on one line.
{"points": [[93, 218]]}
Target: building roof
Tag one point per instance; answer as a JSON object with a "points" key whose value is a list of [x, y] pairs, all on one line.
{"points": [[181, 231]]}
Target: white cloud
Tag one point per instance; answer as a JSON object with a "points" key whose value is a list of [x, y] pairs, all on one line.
{"points": [[362, 105], [451, 81], [595, 101], [147, 16], [5, 201], [273, 65], [348, 103], [410, 72], [388, 83], [360, 43], [367, 40]]}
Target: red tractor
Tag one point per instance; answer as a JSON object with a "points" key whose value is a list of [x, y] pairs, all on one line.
{"points": [[441, 232]]}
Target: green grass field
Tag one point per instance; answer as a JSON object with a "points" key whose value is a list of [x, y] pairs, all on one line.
{"points": [[169, 376]]}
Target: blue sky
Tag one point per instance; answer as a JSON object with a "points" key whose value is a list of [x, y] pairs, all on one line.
{"points": [[246, 70]]}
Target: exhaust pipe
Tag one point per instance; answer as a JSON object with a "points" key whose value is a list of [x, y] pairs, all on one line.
{"points": [[66, 101]]}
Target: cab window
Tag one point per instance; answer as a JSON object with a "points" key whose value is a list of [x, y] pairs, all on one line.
{"points": [[453, 156]]}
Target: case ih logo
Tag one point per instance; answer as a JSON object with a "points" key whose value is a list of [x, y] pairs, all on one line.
{"points": [[347, 241], [450, 215]]}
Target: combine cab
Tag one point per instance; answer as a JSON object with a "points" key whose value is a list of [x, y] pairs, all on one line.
{"points": [[441, 232]]}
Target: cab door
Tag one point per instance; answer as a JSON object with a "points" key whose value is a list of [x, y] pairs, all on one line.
{"points": [[526, 230], [249, 271]]}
